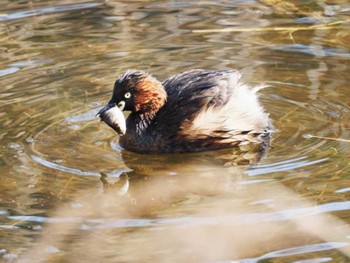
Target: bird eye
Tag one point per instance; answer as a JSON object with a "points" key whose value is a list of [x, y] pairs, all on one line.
{"points": [[127, 95]]}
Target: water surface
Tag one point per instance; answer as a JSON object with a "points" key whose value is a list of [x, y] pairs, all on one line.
{"points": [[69, 193]]}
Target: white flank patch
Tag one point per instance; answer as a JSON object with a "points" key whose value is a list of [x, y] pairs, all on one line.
{"points": [[242, 112]]}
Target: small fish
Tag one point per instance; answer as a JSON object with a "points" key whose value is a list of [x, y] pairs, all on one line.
{"points": [[114, 118]]}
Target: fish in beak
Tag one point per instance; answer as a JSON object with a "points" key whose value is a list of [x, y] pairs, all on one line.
{"points": [[113, 117]]}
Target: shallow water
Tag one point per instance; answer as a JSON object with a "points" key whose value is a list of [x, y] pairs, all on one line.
{"points": [[69, 193]]}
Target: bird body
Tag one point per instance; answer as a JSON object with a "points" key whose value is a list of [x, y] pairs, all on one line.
{"points": [[193, 111]]}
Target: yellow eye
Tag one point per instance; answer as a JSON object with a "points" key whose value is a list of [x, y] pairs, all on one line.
{"points": [[127, 95]]}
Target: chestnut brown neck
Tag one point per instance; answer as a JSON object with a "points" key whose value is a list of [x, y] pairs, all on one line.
{"points": [[150, 97]]}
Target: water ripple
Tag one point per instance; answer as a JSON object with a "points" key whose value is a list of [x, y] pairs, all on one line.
{"points": [[27, 63], [63, 168], [8, 71], [310, 50], [283, 166], [55, 166], [240, 219], [298, 251], [46, 10], [86, 116]]}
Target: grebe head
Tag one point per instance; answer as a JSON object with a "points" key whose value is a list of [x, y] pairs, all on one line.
{"points": [[137, 91]]}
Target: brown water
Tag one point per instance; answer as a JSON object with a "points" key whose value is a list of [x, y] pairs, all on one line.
{"points": [[69, 193]]}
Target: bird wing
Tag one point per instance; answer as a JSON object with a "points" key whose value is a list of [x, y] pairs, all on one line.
{"points": [[194, 91], [202, 87], [205, 102]]}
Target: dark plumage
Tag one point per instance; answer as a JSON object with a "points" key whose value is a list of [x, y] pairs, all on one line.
{"points": [[193, 111]]}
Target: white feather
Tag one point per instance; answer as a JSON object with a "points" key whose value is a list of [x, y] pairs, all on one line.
{"points": [[242, 112]]}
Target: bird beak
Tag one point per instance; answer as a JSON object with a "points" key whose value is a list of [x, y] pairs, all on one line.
{"points": [[105, 108]]}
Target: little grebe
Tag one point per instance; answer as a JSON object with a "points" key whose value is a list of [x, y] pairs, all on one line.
{"points": [[193, 111]]}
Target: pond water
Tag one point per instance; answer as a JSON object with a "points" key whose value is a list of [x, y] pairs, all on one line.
{"points": [[69, 193]]}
